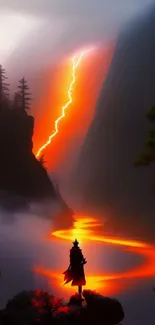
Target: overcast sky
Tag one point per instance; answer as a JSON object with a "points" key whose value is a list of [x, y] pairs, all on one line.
{"points": [[68, 8], [40, 28]]}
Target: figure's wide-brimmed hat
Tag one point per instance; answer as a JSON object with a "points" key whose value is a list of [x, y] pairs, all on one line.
{"points": [[75, 243]]}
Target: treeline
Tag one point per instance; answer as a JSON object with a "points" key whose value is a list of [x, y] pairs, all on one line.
{"points": [[148, 155], [21, 99]]}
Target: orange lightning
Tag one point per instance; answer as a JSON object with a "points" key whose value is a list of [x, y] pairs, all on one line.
{"points": [[75, 63]]}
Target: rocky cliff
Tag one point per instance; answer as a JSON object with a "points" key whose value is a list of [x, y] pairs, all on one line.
{"points": [[21, 174], [106, 178]]}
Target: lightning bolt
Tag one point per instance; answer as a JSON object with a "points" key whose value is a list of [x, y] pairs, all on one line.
{"points": [[75, 63]]}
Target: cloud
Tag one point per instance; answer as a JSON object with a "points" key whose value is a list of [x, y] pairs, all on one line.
{"points": [[75, 7], [83, 19], [64, 26], [10, 33]]}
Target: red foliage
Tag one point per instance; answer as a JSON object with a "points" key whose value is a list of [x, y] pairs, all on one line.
{"points": [[44, 302], [62, 310]]}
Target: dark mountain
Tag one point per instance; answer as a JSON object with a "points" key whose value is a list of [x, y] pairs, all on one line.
{"points": [[23, 179], [107, 179], [20, 172]]}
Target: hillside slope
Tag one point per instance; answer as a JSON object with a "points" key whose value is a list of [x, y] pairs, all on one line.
{"points": [[107, 179], [21, 174]]}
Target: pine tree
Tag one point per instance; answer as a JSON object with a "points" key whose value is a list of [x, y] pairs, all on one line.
{"points": [[23, 95], [148, 155], [4, 87], [16, 101]]}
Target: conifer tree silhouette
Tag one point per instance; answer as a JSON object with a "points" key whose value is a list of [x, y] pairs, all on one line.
{"points": [[4, 87], [148, 155], [23, 96]]}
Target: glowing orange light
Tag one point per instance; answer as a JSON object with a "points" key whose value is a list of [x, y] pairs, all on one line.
{"points": [[85, 235], [105, 282], [74, 126], [75, 62], [89, 230]]}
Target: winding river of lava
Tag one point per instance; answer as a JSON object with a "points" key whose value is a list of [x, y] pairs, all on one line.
{"points": [[89, 230]]}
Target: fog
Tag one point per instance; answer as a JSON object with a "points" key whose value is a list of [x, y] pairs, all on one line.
{"points": [[24, 245], [33, 36]]}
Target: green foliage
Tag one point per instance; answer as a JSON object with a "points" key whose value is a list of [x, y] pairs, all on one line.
{"points": [[148, 155], [151, 114], [145, 158], [150, 140]]}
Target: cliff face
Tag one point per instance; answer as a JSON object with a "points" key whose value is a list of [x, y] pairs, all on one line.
{"points": [[20, 172], [16, 131], [106, 177]]}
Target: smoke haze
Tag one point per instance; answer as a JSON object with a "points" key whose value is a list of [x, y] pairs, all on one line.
{"points": [[56, 27], [50, 32], [35, 36], [23, 246]]}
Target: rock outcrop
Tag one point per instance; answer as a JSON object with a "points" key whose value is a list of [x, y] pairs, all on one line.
{"points": [[21, 174], [107, 179]]}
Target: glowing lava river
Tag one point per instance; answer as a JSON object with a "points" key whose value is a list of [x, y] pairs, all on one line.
{"points": [[89, 233]]}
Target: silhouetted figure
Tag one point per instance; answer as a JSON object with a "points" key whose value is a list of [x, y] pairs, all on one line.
{"points": [[75, 271]]}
